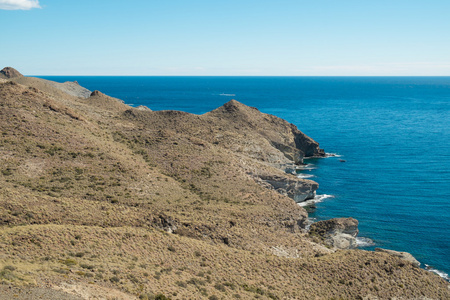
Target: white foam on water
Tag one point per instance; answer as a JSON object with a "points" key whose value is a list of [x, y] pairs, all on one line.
{"points": [[227, 95], [303, 176], [317, 199], [364, 242], [440, 273], [332, 155], [307, 167]]}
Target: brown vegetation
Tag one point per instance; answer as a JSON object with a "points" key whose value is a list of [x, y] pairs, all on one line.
{"points": [[146, 203]]}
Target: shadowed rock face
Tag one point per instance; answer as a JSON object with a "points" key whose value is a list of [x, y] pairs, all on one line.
{"points": [[298, 189], [9, 72], [339, 232], [281, 134]]}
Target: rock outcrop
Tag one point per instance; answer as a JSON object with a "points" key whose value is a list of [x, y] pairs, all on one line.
{"points": [[403, 255], [339, 233], [298, 189], [8, 73], [97, 94], [143, 108], [106, 103], [280, 134]]}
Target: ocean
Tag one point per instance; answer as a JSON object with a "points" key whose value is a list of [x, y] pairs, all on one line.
{"points": [[390, 137]]}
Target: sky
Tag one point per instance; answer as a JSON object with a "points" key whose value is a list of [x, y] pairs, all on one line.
{"points": [[226, 38]]}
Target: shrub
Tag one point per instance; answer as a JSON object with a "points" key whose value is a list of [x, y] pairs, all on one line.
{"points": [[61, 271], [69, 262], [9, 268], [196, 281], [219, 287], [7, 172], [86, 266], [7, 274]]}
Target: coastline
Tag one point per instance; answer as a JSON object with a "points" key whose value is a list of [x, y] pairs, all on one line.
{"points": [[160, 195], [362, 242]]}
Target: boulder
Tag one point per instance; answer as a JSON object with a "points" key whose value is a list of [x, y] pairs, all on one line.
{"points": [[403, 255], [298, 189], [339, 233]]}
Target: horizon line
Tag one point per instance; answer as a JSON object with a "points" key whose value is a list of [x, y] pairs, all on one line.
{"points": [[119, 75]]}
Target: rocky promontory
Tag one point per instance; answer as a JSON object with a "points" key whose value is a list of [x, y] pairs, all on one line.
{"points": [[99, 198], [403, 255], [339, 233]]}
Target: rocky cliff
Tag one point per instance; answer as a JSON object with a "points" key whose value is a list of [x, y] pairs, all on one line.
{"points": [[339, 233], [97, 198]]}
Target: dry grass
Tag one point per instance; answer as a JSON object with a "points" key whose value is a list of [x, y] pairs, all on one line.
{"points": [[147, 261], [91, 188]]}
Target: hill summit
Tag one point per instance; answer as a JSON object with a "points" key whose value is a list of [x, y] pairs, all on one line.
{"points": [[8, 72]]}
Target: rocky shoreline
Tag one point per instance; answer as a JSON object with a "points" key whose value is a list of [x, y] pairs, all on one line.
{"points": [[96, 195]]}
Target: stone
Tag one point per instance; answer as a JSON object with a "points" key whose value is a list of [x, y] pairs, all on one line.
{"points": [[341, 241], [339, 233], [143, 108], [295, 188], [403, 255]]}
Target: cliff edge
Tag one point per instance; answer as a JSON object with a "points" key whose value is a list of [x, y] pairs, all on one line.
{"points": [[99, 198]]}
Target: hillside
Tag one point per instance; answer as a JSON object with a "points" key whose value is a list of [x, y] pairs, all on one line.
{"points": [[99, 199]]}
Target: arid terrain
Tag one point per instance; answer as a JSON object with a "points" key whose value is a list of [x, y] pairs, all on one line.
{"points": [[100, 200]]}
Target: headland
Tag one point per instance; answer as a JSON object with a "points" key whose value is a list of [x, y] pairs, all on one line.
{"points": [[99, 198]]}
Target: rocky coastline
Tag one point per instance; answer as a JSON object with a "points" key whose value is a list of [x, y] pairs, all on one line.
{"points": [[105, 198]]}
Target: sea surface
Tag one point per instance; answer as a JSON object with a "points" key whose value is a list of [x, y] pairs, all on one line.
{"points": [[390, 135]]}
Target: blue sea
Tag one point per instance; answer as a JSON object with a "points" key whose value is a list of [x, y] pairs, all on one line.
{"points": [[390, 135]]}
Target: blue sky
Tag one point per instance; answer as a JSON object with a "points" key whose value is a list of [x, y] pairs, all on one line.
{"points": [[245, 37]]}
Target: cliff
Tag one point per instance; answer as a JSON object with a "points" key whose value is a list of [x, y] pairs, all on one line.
{"points": [[97, 198]]}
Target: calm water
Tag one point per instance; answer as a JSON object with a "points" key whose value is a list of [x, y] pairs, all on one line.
{"points": [[393, 133]]}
